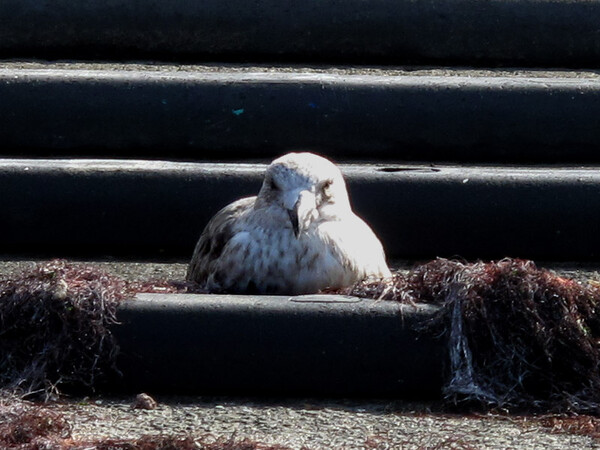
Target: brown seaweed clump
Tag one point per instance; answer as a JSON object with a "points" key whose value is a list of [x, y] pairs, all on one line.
{"points": [[24, 425], [206, 442], [518, 336], [54, 327]]}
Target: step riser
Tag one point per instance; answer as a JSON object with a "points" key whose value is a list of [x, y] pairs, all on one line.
{"points": [[153, 209], [276, 345], [233, 115], [551, 33]]}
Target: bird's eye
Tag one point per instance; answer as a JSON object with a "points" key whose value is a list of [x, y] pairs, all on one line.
{"points": [[325, 186], [273, 185]]}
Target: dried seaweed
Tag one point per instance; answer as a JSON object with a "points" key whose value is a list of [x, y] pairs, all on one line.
{"points": [[518, 336], [206, 442], [24, 425], [582, 425], [55, 326]]}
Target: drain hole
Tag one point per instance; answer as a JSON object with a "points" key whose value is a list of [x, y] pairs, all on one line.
{"points": [[407, 169]]}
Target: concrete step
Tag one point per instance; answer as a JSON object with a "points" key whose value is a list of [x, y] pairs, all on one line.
{"points": [[506, 32], [306, 345], [313, 345], [156, 210], [226, 112]]}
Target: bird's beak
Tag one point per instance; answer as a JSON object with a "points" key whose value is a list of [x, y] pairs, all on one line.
{"points": [[301, 208]]}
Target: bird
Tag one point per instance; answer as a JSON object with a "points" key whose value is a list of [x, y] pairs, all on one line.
{"points": [[298, 236]]}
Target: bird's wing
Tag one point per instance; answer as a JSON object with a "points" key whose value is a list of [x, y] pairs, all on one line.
{"points": [[219, 230]]}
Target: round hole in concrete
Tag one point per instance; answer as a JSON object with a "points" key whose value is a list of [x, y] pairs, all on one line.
{"points": [[328, 298], [392, 169]]}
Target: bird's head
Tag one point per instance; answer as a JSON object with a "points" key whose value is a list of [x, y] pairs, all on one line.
{"points": [[307, 187]]}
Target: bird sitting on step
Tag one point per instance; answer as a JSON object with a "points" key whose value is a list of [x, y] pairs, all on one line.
{"points": [[298, 236]]}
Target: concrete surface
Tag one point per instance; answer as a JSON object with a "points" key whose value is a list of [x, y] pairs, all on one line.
{"points": [[230, 112], [156, 209], [318, 424], [319, 345], [303, 422], [531, 32], [13, 65]]}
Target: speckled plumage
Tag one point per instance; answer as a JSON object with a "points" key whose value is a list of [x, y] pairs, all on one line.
{"points": [[298, 236]]}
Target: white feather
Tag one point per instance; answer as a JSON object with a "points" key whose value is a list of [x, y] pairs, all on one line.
{"points": [[251, 245]]}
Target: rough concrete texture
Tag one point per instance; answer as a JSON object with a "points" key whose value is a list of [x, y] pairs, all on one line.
{"points": [[199, 112], [543, 32], [317, 424], [284, 346], [157, 209], [314, 423], [149, 67], [129, 270], [151, 271]]}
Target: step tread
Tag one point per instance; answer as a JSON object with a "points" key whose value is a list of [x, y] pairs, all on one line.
{"points": [[558, 33], [158, 209], [15, 67], [238, 114]]}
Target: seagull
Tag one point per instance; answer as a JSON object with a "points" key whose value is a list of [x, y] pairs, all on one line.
{"points": [[298, 236]]}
